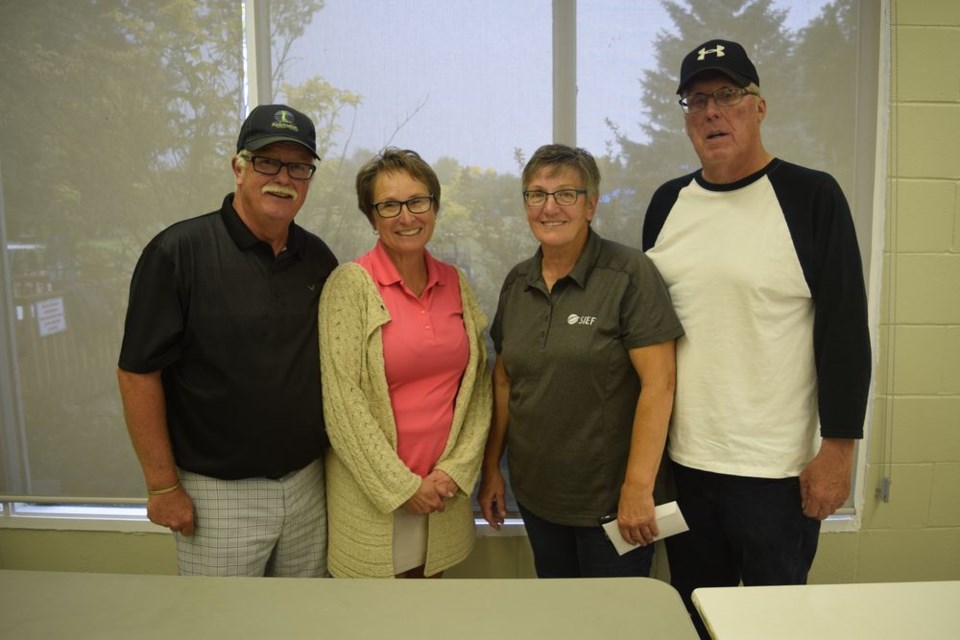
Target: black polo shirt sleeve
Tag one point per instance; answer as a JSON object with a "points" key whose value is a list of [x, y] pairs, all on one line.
{"points": [[155, 316]]}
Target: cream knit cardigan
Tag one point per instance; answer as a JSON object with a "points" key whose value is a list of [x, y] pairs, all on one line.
{"points": [[366, 481]]}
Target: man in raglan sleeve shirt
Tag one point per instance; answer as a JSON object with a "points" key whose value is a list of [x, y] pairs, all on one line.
{"points": [[761, 261]]}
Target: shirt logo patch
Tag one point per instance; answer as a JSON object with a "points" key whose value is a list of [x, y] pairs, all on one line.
{"points": [[575, 319]]}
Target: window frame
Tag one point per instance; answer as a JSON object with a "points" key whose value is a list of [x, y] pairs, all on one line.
{"points": [[54, 512]]}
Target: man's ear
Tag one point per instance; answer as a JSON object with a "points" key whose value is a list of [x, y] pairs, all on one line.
{"points": [[237, 169], [761, 109]]}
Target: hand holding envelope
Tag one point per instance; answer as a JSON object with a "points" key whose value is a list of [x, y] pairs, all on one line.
{"points": [[669, 520]]}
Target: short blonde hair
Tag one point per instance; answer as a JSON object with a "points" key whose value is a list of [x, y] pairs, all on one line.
{"points": [[555, 157], [389, 160]]}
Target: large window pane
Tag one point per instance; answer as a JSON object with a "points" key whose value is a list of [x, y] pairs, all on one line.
{"points": [[808, 56], [466, 84], [118, 117], [815, 59], [115, 120]]}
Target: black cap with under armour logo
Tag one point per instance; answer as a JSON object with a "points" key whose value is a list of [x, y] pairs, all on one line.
{"points": [[269, 123], [724, 56]]}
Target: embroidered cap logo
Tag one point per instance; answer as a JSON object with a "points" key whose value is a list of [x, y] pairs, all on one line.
{"points": [[283, 119], [703, 52]]}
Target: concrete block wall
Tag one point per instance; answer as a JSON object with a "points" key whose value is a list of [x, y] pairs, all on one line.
{"points": [[916, 423]]}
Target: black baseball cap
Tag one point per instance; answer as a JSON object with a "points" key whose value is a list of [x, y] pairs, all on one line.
{"points": [[724, 56], [269, 123]]}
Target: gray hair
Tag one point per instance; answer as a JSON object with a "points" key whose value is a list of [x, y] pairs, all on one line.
{"points": [[554, 157]]}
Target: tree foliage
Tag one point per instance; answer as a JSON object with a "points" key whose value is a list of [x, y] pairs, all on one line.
{"points": [[792, 66], [117, 118]]}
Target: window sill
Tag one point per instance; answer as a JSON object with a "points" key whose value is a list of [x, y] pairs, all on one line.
{"points": [[133, 520]]}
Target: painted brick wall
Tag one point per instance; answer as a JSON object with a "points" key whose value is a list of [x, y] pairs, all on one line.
{"points": [[916, 535]]}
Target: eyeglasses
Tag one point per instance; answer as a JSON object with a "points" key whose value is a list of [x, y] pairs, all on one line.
{"points": [[563, 197], [270, 167], [725, 97], [392, 208]]}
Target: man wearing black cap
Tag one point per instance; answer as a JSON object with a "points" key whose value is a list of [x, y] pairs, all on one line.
{"points": [[219, 370], [763, 268]]}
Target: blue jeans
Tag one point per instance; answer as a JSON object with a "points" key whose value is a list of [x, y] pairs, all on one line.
{"points": [[741, 529], [561, 551]]}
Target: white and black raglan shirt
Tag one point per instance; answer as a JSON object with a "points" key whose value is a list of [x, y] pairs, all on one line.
{"points": [[766, 277]]}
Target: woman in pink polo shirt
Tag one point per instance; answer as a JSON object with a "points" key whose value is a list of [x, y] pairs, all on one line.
{"points": [[405, 387]]}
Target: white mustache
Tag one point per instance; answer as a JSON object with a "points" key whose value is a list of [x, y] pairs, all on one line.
{"points": [[279, 189]]}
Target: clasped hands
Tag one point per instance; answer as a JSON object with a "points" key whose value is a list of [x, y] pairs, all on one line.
{"points": [[433, 490]]}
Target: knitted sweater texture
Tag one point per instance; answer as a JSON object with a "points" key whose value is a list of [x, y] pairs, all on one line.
{"points": [[366, 480]]}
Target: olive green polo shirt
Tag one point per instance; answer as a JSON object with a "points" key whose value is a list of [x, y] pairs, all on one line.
{"points": [[573, 388]]}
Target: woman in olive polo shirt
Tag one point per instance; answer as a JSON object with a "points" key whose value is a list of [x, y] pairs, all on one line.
{"points": [[583, 380]]}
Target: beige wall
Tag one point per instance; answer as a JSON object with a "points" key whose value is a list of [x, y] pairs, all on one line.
{"points": [[916, 535]]}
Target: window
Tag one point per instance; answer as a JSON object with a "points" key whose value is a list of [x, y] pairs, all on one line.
{"points": [[120, 118]]}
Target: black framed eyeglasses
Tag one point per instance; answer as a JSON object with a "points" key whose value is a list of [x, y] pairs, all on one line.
{"points": [[392, 208], [563, 197], [725, 97], [271, 167]]}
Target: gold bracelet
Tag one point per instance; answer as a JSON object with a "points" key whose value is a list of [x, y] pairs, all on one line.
{"points": [[160, 492]]}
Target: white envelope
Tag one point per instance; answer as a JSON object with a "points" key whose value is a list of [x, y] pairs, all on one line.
{"points": [[669, 521]]}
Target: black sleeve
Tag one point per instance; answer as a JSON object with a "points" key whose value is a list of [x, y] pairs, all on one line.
{"points": [[154, 325], [659, 208], [822, 229]]}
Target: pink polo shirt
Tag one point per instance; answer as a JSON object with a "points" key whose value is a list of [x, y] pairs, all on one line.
{"points": [[425, 351]]}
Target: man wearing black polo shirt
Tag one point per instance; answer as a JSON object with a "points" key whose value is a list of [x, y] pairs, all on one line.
{"points": [[219, 370]]}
